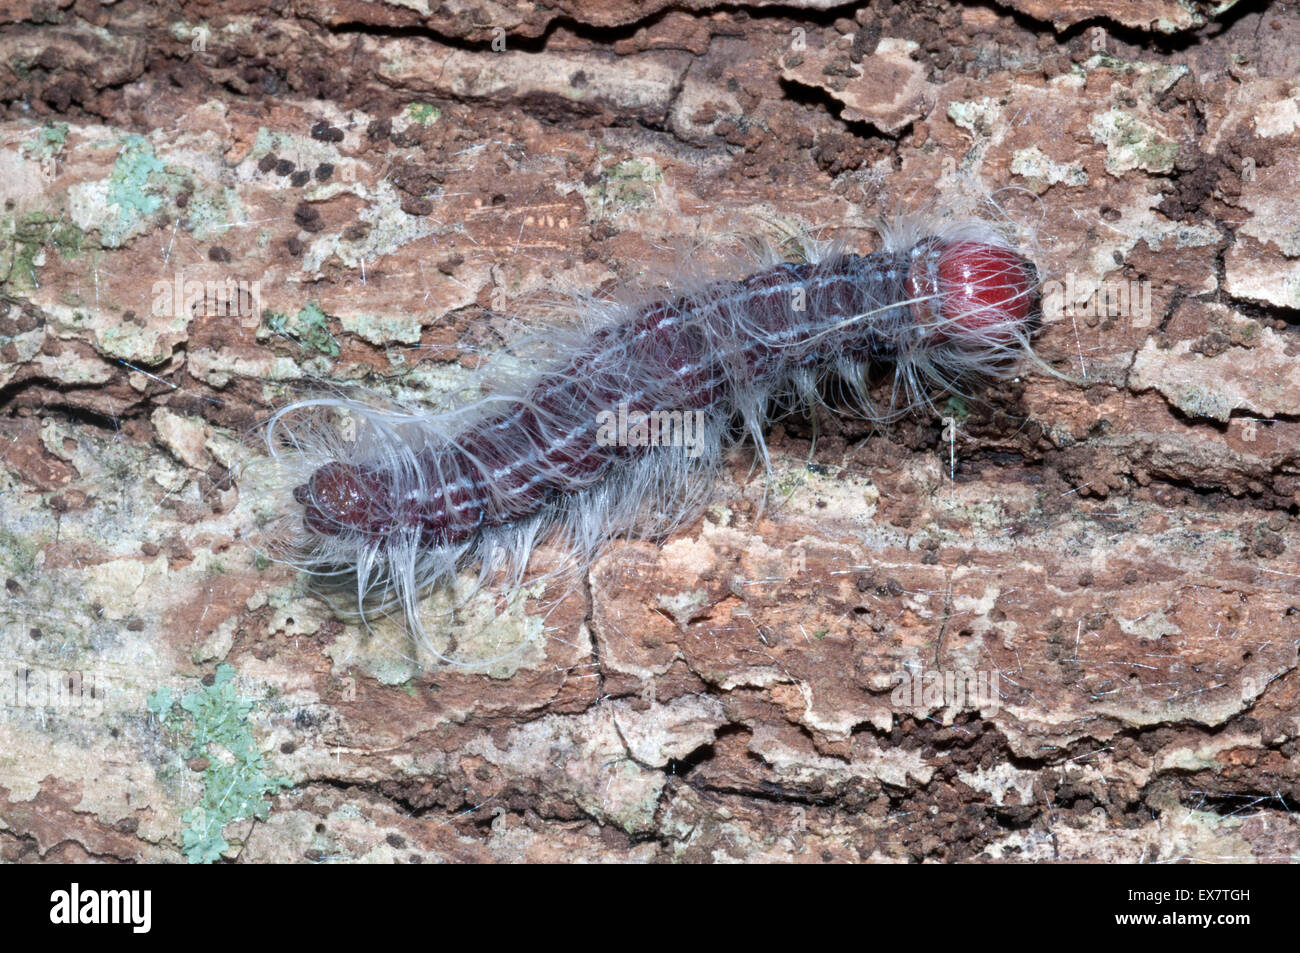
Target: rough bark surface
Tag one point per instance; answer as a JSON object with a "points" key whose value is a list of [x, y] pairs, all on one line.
{"points": [[1121, 553]]}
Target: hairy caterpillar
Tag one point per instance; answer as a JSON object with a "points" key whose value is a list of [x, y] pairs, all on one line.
{"points": [[570, 451]]}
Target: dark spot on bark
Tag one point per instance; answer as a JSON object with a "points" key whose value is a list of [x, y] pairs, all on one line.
{"points": [[416, 206], [308, 218]]}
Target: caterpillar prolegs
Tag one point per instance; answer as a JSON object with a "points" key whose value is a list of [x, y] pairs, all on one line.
{"points": [[621, 427]]}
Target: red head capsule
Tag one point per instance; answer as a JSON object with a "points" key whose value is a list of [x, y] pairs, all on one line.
{"points": [[972, 289], [341, 497]]}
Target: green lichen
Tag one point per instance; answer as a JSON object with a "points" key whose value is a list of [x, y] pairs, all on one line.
{"points": [[955, 408], [235, 785], [55, 134], [627, 185], [26, 239], [159, 703], [1132, 144], [129, 187], [423, 113], [17, 555], [138, 190], [309, 327], [1105, 60], [211, 210], [49, 140]]}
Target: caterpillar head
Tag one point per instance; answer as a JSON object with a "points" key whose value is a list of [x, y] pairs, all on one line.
{"points": [[339, 498], [970, 291]]}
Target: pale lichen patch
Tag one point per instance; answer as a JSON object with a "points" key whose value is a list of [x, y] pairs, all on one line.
{"points": [[1132, 143]]}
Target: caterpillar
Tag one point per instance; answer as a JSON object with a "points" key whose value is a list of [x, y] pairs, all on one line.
{"points": [[620, 425]]}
